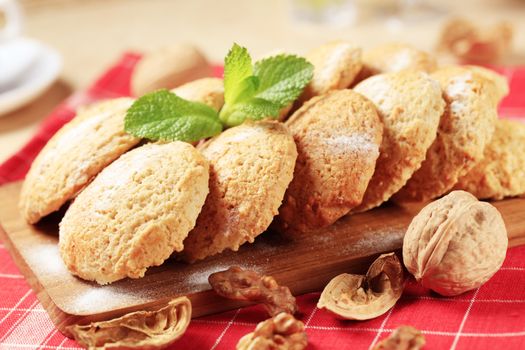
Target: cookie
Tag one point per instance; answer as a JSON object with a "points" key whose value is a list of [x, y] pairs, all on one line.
{"points": [[135, 213], [251, 166], [501, 173], [73, 156], [336, 64], [209, 91], [410, 106], [169, 67], [465, 129], [338, 137], [499, 83], [394, 57]]}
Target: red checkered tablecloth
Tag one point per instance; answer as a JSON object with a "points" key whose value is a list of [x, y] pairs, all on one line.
{"points": [[491, 317]]}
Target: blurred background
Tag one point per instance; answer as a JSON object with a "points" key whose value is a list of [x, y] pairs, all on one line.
{"points": [[91, 34]]}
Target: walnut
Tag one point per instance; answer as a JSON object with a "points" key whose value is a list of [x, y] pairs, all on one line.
{"points": [[169, 67], [282, 332], [137, 330], [358, 297], [455, 244], [474, 43], [238, 284], [402, 338]]}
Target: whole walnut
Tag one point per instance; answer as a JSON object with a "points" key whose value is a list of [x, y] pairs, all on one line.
{"points": [[455, 244]]}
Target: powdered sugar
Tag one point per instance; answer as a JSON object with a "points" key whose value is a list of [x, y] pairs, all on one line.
{"points": [[333, 62], [92, 297], [457, 90], [45, 259], [378, 90], [353, 143], [120, 173], [244, 134], [401, 60]]}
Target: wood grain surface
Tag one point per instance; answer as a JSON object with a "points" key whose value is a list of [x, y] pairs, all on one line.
{"points": [[304, 264]]}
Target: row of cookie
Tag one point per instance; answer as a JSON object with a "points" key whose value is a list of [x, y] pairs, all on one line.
{"points": [[236, 213], [165, 198]]}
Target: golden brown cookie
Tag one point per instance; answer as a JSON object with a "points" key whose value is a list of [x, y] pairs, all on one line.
{"points": [[336, 64], [410, 106], [251, 166], [73, 156], [499, 82], [501, 173], [394, 57], [169, 67], [136, 212], [465, 129], [338, 137], [209, 91]]}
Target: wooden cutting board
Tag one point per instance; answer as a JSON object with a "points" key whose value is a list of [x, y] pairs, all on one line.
{"points": [[304, 265]]}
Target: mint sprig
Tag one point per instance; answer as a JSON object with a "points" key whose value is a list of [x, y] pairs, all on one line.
{"points": [[162, 115], [251, 91], [260, 91]]}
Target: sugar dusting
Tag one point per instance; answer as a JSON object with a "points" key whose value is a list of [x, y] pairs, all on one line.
{"points": [[401, 60], [120, 173], [45, 259], [334, 61], [378, 90], [353, 143], [457, 90], [244, 134], [94, 297]]}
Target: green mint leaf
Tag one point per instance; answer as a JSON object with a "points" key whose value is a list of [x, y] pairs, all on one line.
{"points": [[162, 115], [253, 108], [247, 88], [282, 78], [263, 90], [237, 67]]}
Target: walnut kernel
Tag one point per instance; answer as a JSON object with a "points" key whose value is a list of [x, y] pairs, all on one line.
{"points": [[238, 284], [402, 338], [282, 332]]}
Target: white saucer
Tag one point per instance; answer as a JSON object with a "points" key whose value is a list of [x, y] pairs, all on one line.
{"points": [[33, 82]]}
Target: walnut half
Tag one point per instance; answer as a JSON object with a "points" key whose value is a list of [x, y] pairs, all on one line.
{"points": [[238, 284], [358, 297], [137, 330], [282, 332], [402, 338]]}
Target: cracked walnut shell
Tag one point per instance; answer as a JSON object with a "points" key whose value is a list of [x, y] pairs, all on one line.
{"points": [[358, 297], [145, 330], [455, 244]]}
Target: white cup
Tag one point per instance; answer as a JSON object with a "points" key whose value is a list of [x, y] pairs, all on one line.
{"points": [[13, 20]]}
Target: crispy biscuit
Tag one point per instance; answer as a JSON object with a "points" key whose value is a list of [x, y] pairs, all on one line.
{"points": [[251, 166], [410, 106], [209, 91], [73, 156], [338, 137], [336, 64], [465, 129], [500, 84], [135, 213], [394, 57], [501, 173]]}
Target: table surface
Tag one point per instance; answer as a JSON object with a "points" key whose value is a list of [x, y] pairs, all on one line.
{"points": [[92, 34]]}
